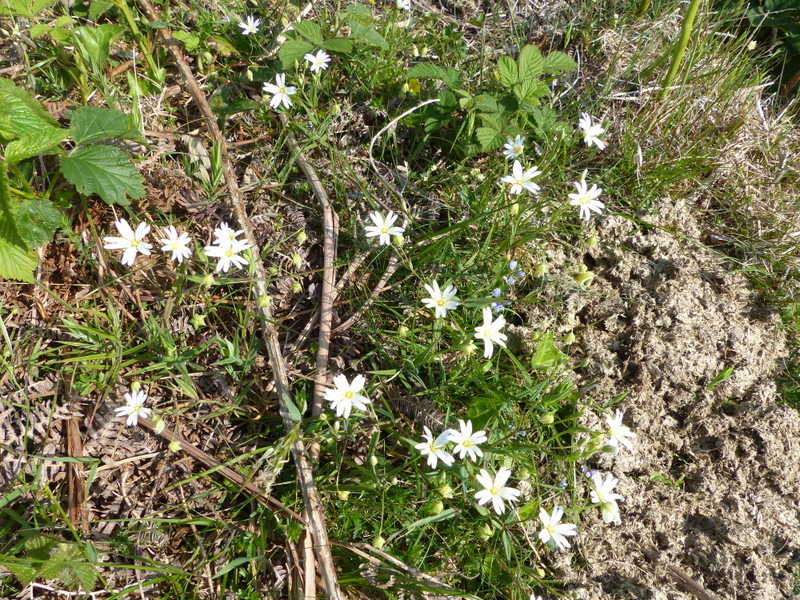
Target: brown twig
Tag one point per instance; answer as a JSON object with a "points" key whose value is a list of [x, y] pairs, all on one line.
{"points": [[328, 273], [354, 265], [313, 505], [226, 472]]}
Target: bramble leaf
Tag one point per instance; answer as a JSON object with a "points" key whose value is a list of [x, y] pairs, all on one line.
{"points": [[20, 113], [449, 75], [529, 63], [103, 170], [557, 62], [293, 50], [367, 34], [36, 221], [36, 144], [310, 31], [340, 45], [509, 75], [91, 124]]}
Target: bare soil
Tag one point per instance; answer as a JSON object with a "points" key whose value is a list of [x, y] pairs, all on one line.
{"points": [[712, 486]]}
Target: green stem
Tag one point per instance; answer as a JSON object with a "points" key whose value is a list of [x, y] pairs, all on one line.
{"points": [[141, 40], [680, 49], [643, 6]]}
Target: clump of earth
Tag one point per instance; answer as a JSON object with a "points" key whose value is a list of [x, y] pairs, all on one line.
{"points": [[712, 485]]}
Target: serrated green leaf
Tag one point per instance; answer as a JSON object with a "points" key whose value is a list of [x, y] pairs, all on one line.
{"points": [[97, 8], [449, 75], [39, 30], [292, 51], [26, 573], [85, 574], [529, 63], [91, 124], [558, 62], [16, 262], [39, 143], [544, 117], [492, 121], [340, 45], [529, 91], [191, 41], [103, 170], [24, 8], [310, 31], [93, 43], [486, 103], [360, 13], [509, 74], [367, 34], [36, 221], [20, 112], [488, 138]]}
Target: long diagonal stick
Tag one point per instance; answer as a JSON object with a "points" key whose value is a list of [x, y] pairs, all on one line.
{"points": [[313, 505]]}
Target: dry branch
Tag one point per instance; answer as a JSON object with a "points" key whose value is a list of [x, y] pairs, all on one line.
{"points": [[313, 505], [226, 472], [329, 226]]}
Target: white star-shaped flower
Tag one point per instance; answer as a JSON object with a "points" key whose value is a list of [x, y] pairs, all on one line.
{"points": [[554, 529], [466, 441], [591, 131], [602, 493], [132, 242], [280, 91], [404, 4], [586, 199], [489, 332], [347, 395], [495, 490], [434, 449], [250, 25], [383, 227], [224, 234], [618, 434], [134, 407], [179, 245], [318, 61], [514, 147], [441, 300], [520, 179], [228, 254]]}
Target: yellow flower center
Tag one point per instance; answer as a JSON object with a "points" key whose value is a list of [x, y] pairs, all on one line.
{"points": [[349, 394], [441, 302], [494, 490]]}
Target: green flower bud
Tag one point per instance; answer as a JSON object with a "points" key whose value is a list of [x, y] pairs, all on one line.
{"points": [[343, 495], [297, 287], [485, 531], [378, 541], [435, 507], [547, 418]]}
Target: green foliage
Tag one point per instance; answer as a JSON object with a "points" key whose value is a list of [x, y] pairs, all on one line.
{"points": [[305, 38], [24, 8], [28, 220], [93, 43], [492, 116], [782, 16], [51, 558], [103, 170]]}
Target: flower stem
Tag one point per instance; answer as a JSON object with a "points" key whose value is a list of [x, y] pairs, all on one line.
{"points": [[680, 49]]}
